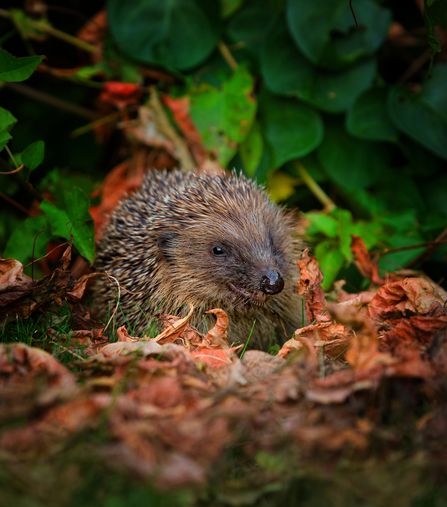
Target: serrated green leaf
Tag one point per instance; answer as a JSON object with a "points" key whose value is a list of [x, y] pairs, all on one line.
{"points": [[33, 155], [4, 138], [20, 244], [178, 33], [331, 260], [287, 72], [251, 149], [368, 117], [350, 162], [7, 120], [291, 128], [17, 69], [224, 115]]}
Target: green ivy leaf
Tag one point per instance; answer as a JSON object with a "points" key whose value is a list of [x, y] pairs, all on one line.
{"points": [[423, 117], [287, 72], [60, 223], [350, 162], [17, 69], [291, 128], [368, 117], [325, 30], [224, 115], [20, 244], [7, 120], [175, 33], [75, 218], [251, 149], [5, 136], [32, 156]]}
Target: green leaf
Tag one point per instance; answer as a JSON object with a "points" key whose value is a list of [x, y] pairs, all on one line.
{"points": [[4, 138], [7, 120], [350, 162], [247, 27], [287, 72], [17, 69], [325, 30], [423, 117], [75, 218], [227, 7], [32, 156], [224, 115], [292, 129], [60, 223], [331, 260], [322, 223], [20, 244], [251, 149], [368, 117], [174, 33], [83, 228]]}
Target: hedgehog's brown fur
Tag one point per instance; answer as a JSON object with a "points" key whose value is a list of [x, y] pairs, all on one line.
{"points": [[159, 245]]}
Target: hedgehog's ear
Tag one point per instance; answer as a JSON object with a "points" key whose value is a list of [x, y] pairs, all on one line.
{"points": [[165, 243]]}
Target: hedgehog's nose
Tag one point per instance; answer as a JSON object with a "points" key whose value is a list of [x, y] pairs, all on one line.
{"points": [[272, 283]]}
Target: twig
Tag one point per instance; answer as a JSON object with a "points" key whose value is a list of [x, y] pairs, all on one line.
{"points": [[14, 203], [70, 39], [15, 170], [32, 259], [12, 157], [430, 250], [411, 247], [314, 187], [353, 14], [228, 57], [103, 121], [52, 101], [415, 66], [25, 184]]}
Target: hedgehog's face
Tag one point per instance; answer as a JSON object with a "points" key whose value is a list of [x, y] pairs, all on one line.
{"points": [[239, 261]]}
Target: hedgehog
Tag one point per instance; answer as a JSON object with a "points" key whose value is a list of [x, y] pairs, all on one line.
{"points": [[210, 241]]}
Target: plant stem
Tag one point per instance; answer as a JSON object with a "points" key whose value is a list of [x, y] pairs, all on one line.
{"points": [[56, 102], [314, 187], [430, 250], [27, 186], [228, 57], [70, 39], [14, 203]]}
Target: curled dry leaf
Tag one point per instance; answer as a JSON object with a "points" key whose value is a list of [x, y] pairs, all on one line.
{"points": [[368, 268], [408, 296], [309, 287], [12, 275], [217, 336]]}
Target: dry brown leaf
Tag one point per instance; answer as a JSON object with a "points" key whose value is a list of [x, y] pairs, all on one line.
{"points": [[217, 336]]}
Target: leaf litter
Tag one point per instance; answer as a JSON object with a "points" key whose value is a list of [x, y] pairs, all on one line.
{"points": [[173, 405]]}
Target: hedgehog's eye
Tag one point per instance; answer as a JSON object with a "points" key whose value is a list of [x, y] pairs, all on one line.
{"points": [[218, 251]]}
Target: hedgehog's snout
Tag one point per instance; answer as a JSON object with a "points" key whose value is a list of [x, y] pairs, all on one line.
{"points": [[272, 283]]}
